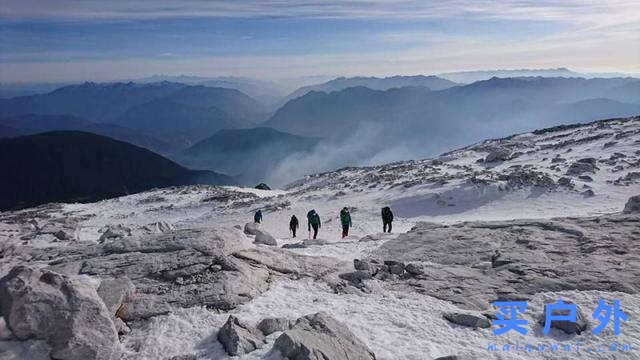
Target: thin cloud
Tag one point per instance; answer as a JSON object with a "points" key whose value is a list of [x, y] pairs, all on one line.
{"points": [[572, 11]]}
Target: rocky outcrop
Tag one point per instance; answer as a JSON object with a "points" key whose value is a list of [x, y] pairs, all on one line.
{"points": [[498, 154], [632, 205], [117, 294], [181, 268], [251, 228], [270, 325], [65, 312], [238, 338], [265, 239], [467, 320], [473, 264], [320, 337]]}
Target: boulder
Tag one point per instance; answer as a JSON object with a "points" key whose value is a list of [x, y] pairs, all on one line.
{"points": [[65, 312], [265, 239], [320, 337], [414, 269], [468, 320], [498, 154], [632, 205], [270, 325], [238, 338], [251, 228], [568, 327], [159, 227]]}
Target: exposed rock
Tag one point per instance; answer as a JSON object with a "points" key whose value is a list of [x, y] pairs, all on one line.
{"points": [[65, 312], [448, 357], [251, 228], [468, 320], [270, 325], [263, 186], [238, 338], [181, 268], [578, 168], [114, 232], [116, 293], [265, 239], [361, 265], [321, 337], [498, 154], [121, 327], [585, 178], [568, 327], [395, 267], [588, 193], [534, 256], [414, 269], [632, 205], [159, 227]]}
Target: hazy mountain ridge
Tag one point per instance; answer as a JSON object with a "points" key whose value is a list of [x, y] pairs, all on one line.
{"points": [[69, 166], [248, 154], [31, 124], [374, 83]]}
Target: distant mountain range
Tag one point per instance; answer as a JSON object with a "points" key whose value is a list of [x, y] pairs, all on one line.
{"points": [[248, 154], [71, 166], [412, 122], [174, 113], [468, 77], [374, 83], [33, 124]]}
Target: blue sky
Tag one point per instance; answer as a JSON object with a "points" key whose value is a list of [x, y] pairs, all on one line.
{"points": [[97, 40]]}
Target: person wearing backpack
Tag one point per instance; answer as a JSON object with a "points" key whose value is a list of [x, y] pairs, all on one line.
{"points": [[257, 218], [345, 220], [313, 221], [387, 219], [293, 225]]}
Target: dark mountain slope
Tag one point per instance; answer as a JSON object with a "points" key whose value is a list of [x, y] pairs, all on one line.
{"points": [[248, 153], [69, 166]]}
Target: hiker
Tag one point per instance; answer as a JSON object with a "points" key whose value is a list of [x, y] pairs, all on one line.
{"points": [[313, 221], [387, 218], [257, 218], [345, 220], [293, 225]]}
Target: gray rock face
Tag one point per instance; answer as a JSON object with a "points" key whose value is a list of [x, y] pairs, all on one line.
{"points": [[66, 312], [321, 337], [238, 338], [568, 327], [265, 239], [270, 325], [468, 320], [534, 256], [181, 268], [116, 293], [114, 232], [633, 205]]}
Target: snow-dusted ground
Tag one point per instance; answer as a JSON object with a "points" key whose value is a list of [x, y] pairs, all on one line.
{"points": [[452, 188]]}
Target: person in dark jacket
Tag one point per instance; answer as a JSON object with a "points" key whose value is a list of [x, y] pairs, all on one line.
{"points": [[313, 221], [293, 225], [257, 218], [345, 220], [387, 219]]}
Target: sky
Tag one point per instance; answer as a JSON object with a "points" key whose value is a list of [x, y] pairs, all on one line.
{"points": [[77, 40]]}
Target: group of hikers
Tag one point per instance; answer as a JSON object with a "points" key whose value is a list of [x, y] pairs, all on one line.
{"points": [[313, 221]]}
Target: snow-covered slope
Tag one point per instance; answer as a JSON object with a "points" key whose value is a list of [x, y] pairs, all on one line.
{"points": [[573, 171]]}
